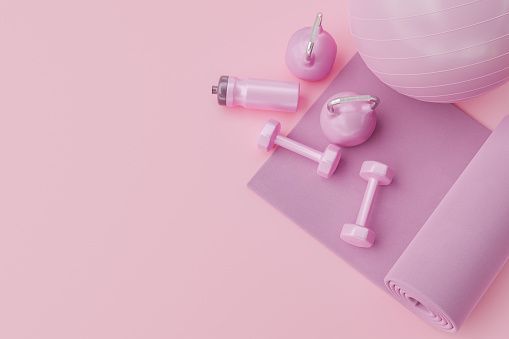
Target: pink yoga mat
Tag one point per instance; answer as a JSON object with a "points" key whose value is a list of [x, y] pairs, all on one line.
{"points": [[455, 256], [428, 146]]}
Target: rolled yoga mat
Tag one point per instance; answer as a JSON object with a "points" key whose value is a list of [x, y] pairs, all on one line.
{"points": [[455, 256], [429, 146]]}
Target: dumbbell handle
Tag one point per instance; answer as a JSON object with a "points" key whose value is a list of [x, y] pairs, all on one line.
{"points": [[298, 148], [367, 202]]}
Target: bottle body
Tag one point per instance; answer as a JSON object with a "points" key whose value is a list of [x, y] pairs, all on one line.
{"points": [[258, 94]]}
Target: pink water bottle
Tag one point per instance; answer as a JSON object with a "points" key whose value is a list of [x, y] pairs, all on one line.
{"points": [[257, 94]]}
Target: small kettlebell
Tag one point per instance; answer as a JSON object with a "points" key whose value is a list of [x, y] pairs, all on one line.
{"points": [[349, 119], [311, 52]]}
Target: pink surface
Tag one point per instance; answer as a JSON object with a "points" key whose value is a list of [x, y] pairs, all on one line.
{"points": [[124, 207]]}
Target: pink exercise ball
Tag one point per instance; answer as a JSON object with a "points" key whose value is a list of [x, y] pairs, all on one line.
{"points": [[438, 51]]}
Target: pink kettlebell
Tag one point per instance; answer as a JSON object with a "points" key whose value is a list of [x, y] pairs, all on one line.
{"points": [[349, 119], [311, 52]]}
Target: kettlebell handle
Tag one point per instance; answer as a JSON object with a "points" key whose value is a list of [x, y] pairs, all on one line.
{"points": [[371, 99]]}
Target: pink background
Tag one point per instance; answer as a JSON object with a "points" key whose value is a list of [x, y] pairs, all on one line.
{"points": [[124, 207]]}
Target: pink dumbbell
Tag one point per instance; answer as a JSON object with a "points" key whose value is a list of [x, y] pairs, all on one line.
{"points": [[358, 234], [327, 161]]}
